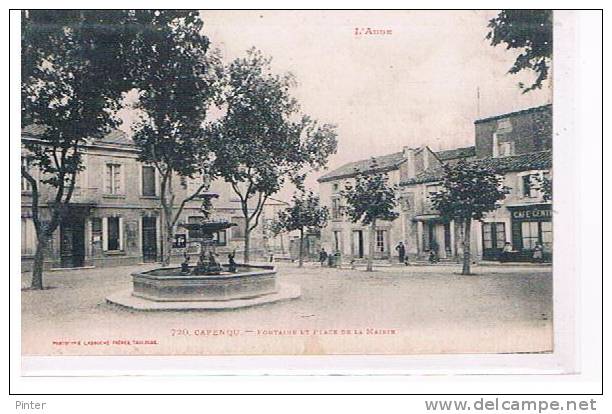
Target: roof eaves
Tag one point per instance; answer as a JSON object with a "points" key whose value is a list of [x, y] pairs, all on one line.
{"points": [[520, 112], [328, 177]]}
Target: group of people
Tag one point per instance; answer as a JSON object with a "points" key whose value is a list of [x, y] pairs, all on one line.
{"points": [[324, 257], [505, 256], [508, 252], [330, 259]]}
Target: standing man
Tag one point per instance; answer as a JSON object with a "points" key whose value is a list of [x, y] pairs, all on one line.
{"points": [[401, 250], [322, 256]]}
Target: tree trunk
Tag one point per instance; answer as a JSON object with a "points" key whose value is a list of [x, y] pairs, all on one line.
{"points": [[301, 253], [247, 244], [168, 234], [466, 247], [167, 247], [39, 260], [166, 201], [370, 263]]}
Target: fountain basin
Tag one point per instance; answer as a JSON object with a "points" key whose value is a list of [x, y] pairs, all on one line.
{"points": [[168, 289], [161, 285]]}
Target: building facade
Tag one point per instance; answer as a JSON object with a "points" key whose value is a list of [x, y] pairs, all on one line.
{"points": [[517, 146], [524, 218], [352, 239], [114, 216]]}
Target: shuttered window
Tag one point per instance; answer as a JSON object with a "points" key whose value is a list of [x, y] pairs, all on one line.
{"points": [[112, 229], [113, 179], [148, 181]]}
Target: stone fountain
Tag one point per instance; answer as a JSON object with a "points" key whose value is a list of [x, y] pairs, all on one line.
{"points": [[208, 284]]}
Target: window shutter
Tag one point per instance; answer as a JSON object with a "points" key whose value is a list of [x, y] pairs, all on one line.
{"points": [[85, 173], [105, 233], [141, 178], [120, 233], [121, 180], [157, 183], [105, 182]]}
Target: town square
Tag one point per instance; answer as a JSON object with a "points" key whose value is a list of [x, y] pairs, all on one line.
{"points": [[188, 189], [261, 208], [430, 309]]}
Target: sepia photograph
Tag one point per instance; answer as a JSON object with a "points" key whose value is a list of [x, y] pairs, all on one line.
{"points": [[278, 182]]}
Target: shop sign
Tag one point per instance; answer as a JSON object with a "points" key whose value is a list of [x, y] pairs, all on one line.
{"points": [[539, 213]]}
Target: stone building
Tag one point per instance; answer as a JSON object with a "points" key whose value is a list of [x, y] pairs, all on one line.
{"points": [[516, 145], [114, 213], [351, 239]]}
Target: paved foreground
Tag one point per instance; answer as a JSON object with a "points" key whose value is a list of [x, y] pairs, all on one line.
{"points": [[394, 310]]}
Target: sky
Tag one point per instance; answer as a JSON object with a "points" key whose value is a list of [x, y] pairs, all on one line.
{"points": [[416, 86]]}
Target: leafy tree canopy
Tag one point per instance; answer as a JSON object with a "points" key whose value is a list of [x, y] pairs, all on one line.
{"points": [[468, 191], [73, 73], [305, 212], [263, 139], [177, 81], [371, 197], [531, 31]]}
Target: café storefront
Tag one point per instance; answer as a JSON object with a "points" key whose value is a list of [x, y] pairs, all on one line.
{"points": [[531, 225]]}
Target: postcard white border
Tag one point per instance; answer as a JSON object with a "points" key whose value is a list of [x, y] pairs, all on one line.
{"points": [[575, 279]]}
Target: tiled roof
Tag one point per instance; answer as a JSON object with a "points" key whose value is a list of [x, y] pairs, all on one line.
{"points": [[456, 153], [384, 163], [523, 111], [531, 161], [392, 161], [115, 136]]}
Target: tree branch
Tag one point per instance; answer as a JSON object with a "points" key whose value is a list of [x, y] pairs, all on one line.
{"points": [[185, 201], [260, 208]]}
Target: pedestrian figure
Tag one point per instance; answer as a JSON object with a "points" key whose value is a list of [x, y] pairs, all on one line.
{"points": [[322, 256], [433, 257], [538, 253], [506, 252], [212, 261], [231, 262], [401, 251], [185, 265]]}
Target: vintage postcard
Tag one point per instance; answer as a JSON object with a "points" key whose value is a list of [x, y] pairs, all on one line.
{"points": [[214, 183]]}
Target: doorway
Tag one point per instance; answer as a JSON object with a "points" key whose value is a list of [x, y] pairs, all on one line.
{"points": [[447, 239], [430, 241], [149, 239], [357, 244], [72, 241], [493, 240]]}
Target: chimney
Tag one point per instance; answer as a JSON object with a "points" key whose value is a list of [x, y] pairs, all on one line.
{"points": [[409, 164]]}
